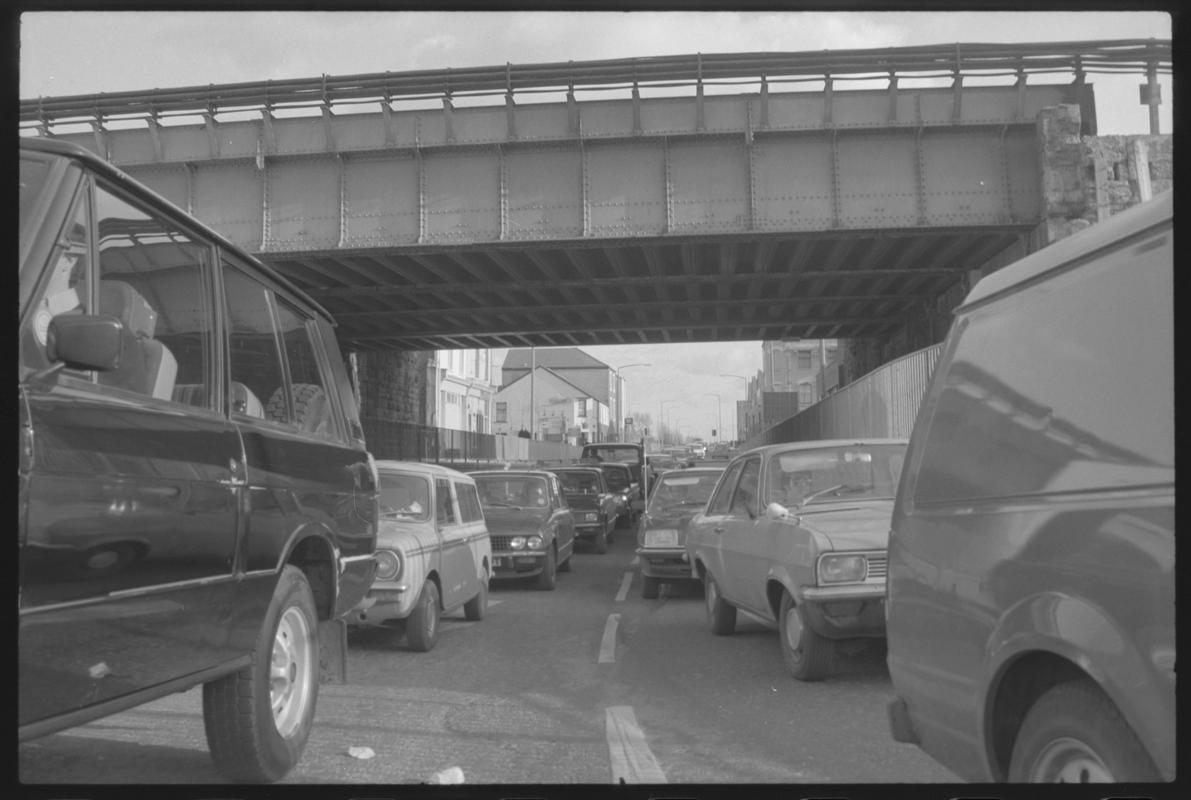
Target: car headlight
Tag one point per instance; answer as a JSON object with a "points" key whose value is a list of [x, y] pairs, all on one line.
{"points": [[842, 568], [517, 543], [661, 537], [534, 542], [388, 565]]}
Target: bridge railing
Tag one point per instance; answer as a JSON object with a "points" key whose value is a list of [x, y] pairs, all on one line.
{"points": [[949, 61]]}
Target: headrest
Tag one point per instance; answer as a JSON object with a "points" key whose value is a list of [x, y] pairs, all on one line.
{"points": [[119, 299]]}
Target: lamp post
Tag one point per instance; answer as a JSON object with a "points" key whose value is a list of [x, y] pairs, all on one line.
{"points": [[620, 415], [662, 416], [746, 389], [719, 420]]}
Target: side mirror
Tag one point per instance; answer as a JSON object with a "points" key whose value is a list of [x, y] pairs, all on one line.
{"points": [[777, 511], [85, 341]]}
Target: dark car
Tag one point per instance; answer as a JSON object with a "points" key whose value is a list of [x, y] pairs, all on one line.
{"points": [[1031, 595], [795, 534], [620, 481], [675, 497], [593, 505], [196, 505], [530, 524], [628, 453]]}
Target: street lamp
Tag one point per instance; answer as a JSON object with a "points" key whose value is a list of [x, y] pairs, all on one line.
{"points": [[719, 421], [620, 415]]}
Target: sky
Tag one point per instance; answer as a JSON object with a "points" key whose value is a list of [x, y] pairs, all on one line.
{"points": [[86, 52]]}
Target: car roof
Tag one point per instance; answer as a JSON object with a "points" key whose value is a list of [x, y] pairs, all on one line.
{"points": [[423, 468], [815, 444], [514, 473], [110, 171], [1057, 255]]}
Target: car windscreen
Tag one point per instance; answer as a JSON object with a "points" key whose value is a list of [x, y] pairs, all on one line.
{"points": [[404, 496], [605, 453], [579, 482], [512, 491], [682, 489], [833, 474], [618, 478]]}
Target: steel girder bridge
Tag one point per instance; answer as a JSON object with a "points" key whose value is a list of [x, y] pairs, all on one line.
{"points": [[671, 199]]}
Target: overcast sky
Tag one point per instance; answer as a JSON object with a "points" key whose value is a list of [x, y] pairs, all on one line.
{"points": [[66, 53]]}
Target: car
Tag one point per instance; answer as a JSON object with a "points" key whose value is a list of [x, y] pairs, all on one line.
{"points": [[1031, 595], [630, 453], [433, 553], [196, 503], [593, 505], [619, 478], [662, 531], [795, 534], [531, 526]]}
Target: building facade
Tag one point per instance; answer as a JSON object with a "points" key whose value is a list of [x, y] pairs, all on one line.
{"points": [[460, 391], [549, 407], [597, 380]]}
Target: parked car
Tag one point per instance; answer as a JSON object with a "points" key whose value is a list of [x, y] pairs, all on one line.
{"points": [[662, 532], [593, 506], [530, 523], [433, 552], [196, 504], [620, 482], [1031, 597], [795, 534]]}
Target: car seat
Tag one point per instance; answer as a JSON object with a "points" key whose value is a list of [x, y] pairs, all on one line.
{"points": [[146, 365]]}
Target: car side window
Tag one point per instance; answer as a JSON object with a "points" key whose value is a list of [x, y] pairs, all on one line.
{"points": [[560, 499], [744, 500], [469, 503], [154, 278], [442, 496], [723, 495]]}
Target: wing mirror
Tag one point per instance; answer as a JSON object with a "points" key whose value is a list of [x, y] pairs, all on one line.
{"points": [[85, 341]]}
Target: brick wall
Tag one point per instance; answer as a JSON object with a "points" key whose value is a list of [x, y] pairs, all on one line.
{"points": [[392, 391]]}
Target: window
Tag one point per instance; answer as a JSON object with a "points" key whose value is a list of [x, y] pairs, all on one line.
{"points": [[469, 503], [805, 395], [804, 359], [153, 278], [744, 500], [723, 494], [502, 412], [442, 496]]}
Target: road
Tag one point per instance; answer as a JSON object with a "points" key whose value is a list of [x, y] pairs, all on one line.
{"points": [[589, 683]]}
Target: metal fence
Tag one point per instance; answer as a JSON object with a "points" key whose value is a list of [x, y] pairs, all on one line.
{"points": [[882, 404], [406, 441]]}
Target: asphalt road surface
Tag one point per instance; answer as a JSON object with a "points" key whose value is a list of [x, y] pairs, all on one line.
{"points": [[589, 683]]}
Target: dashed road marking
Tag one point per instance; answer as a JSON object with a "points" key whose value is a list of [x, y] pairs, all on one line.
{"points": [[624, 587], [608, 644], [632, 761]]}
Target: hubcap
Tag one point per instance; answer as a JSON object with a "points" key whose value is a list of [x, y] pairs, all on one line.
{"points": [[712, 596], [1068, 760], [793, 630], [291, 672]]}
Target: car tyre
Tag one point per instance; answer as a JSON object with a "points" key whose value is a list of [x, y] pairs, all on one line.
{"points": [[649, 587], [476, 608], [721, 615], [1074, 734], [258, 719], [421, 630], [548, 577], [808, 656], [565, 566]]}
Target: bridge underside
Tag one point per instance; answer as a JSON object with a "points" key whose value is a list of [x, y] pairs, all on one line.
{"points": [[849, 284]]}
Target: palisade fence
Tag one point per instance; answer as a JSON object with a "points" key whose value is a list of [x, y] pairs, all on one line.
{"points": [[407, 441], [882, 404]]}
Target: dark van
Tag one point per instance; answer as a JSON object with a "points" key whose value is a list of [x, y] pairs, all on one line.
{"points": [[1030, 606], [196, 504]]}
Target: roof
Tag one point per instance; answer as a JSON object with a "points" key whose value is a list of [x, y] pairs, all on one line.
{"points": [[513, 473], [815, 444], [556, 357], [421, 467], [1132, 221], [581, 391]]}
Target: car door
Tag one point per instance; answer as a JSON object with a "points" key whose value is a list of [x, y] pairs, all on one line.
{"points": [[476, 531], [741, 546], [707, 529], [458, 573], [563, 520], [133, 492]]}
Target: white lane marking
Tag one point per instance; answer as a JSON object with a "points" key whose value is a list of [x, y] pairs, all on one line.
{"points": [[608, 644], [624, 587], [631, 759], [494, 602]]}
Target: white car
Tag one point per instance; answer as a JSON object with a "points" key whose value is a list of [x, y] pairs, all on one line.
{"points": [[433, 552]]}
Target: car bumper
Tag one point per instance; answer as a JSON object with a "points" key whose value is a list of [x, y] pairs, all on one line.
{"points": [[841, 612], [356, 574], [588, 530], [382, 606], [517, 565], [657, 562]]}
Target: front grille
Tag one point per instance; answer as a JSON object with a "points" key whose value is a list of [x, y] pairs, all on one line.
{"points": [[878, 566], [501, 542]]}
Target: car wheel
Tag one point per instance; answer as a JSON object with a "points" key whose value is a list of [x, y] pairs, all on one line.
{"points": [[565, 566], [600, 545], [649, 587], [1074, 734], [257, 720], [548, 577], [477, 607], [808, 655], [421, 630], [721, 615]]}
